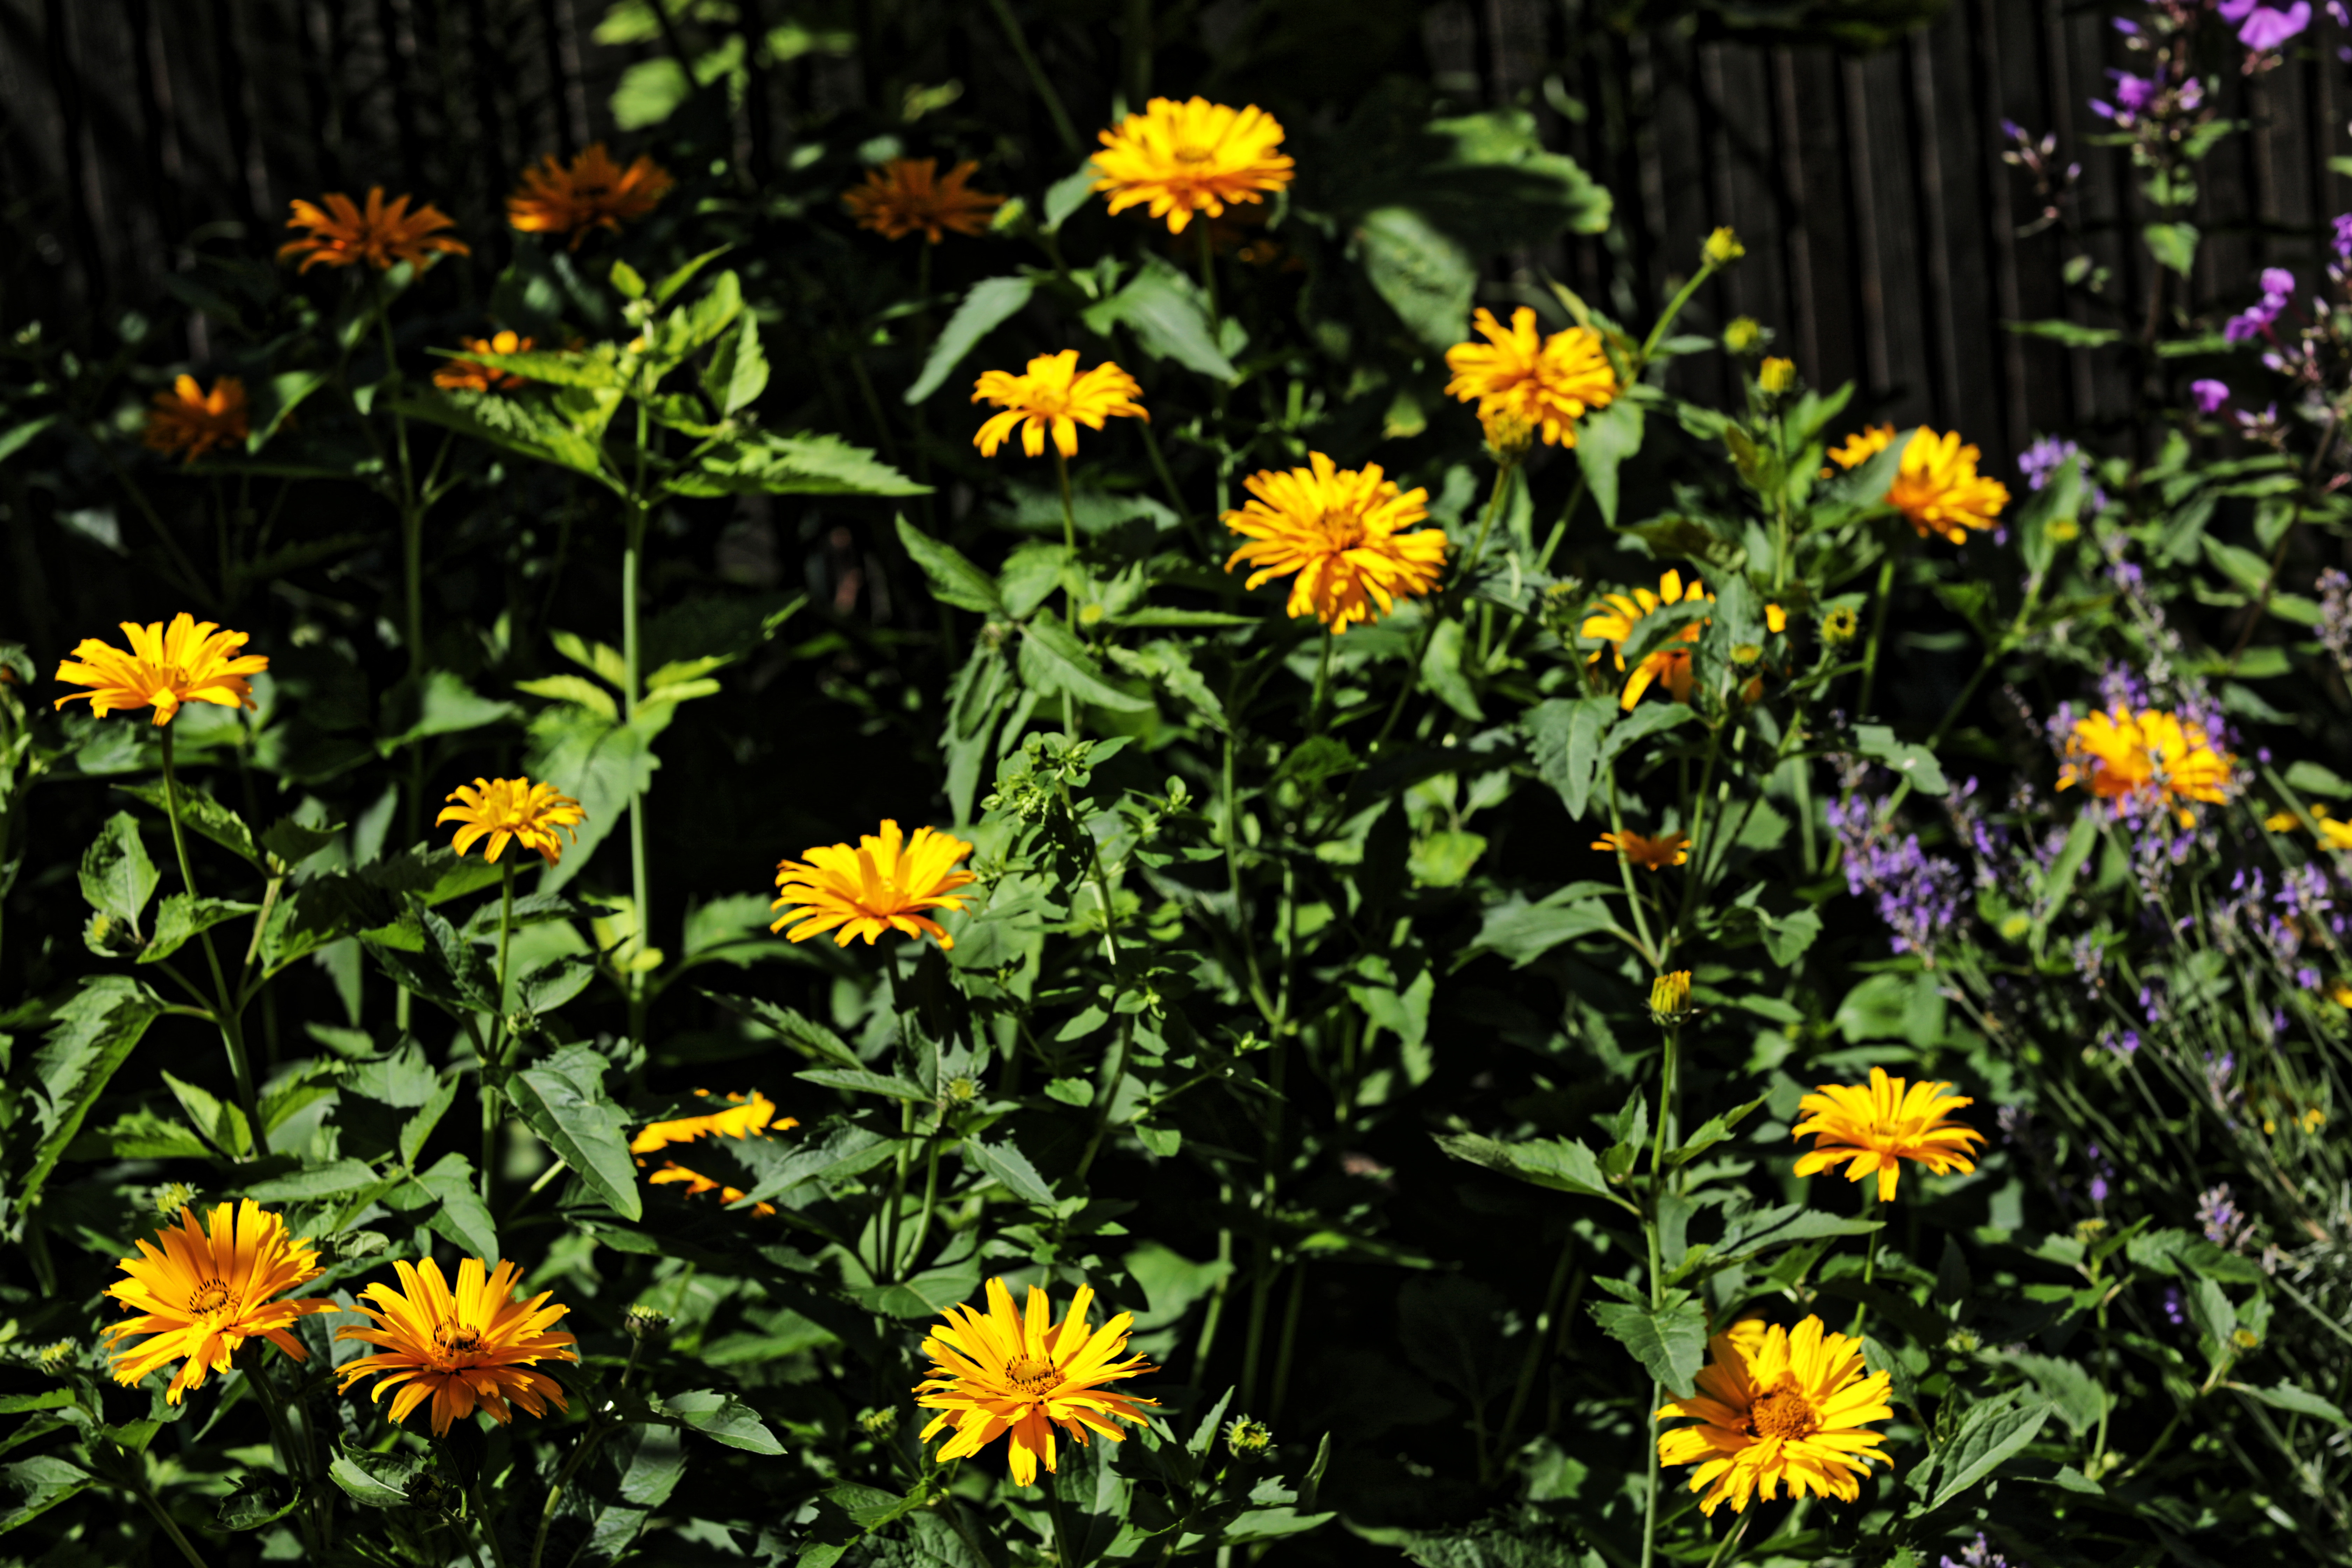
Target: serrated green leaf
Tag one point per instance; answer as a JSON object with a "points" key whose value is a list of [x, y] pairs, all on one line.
{"points": [[564, 1102]]}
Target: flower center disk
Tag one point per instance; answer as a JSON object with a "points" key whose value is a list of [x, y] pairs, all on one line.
{"points": [[453, 1340], [1031, 1375], [1783, 1413], [211, 1296]]}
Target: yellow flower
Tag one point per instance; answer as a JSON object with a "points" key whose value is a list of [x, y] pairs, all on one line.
{"points": [[1548, 382], [1613, 617], [1051, 395], [1774, 1409], [2288, 821], [187, 421], [473, 375], [2150, 757], [1860, 447], [1670, 1001], [467, 1349], [1742, 334], [753, 1117], [878, 885], [592, 192], [1722, 248], [1342, 531], [1939, 487], [907, 194], [343, 234], [189, 661], [1650, 854], [1198, 156], [1018, 1375], [202, 1296], [512, 809], [1877, 1126], [1777, 375]]}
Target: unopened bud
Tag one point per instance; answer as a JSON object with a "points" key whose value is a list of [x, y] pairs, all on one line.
{"points": [[1962, 1341], [960, 1091], [1742, 335], [1722, 248], [880, 1422], [173, 1196], [1247, 1439], [1670, 999], [1777, 375], [1508, 436], [645, 1323], [54, 1355]]}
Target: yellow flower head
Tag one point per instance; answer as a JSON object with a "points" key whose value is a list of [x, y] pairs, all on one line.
{"points": [[187, 421], [1860, 447], [1650, 854], [1670, 998], [1547, 382], [753, 1117], [473, 375], [1939, 487], [1018, 1375], [1777, 375], [188, 661], [2150, 757], [907, 195], [465, 1349], [344, 234], [1877, 1126], [201, 1296], [1198, 156], [881, 885], [1742, 334], [2334, 831], [1051, 395], [592, 192], [512, 809], [1776, 1408], [1613, 617], [1722, 247], [1342, 530]]}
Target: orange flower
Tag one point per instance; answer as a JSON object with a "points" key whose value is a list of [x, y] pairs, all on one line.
{"points": [[1613, 619], [1940, 490], [188, 661], [883, 882], [386, 232], [473, 1348], [1860, 447], [1539, 384], [472, 375], [753, 1117], [1052, 399], [2149, 757], [910, 193], [1196, 156], [205, 1291], [188, 421], [592, 192], [1650, 854]]}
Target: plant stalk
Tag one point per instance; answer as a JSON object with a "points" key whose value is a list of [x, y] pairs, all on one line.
{"points": [[224, 1012]]}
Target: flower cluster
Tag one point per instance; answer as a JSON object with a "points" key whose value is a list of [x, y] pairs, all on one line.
{"points": [[1918, 894]]}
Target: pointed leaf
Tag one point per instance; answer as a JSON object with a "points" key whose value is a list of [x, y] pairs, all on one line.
{"points": [[564, 1102], [990, 303]]}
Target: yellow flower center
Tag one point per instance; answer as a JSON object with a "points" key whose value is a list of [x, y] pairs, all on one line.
{"points": [[211, 1297], [1783, 1413], [453, 1339], [1195, 154], [1031, 1375], [1344, 529]]}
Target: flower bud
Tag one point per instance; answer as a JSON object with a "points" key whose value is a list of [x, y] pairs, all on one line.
{"points": [[1722, 248], [643, 1323], [1670, 999], [1247, 1439], [1842, 626], [1743, 335], [173, 1196], [880, 1422], [54, 1356], [1777, 375], [1508, 436]]}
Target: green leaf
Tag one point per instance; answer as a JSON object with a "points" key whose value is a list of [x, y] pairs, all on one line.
{"points": [[224, 1123], [1424, 274], [1714, 1130], [257, 1500], [990, 304], [858, 1080], [375, 1480], [1524, 932], [2314, 778], [1604, 441], [117, 877], [1788, 937], [1563, 1164], [1012, 1170], [564, 1102], [1989, 1434], [1055, 663], [88, 1040], [180, 919], [2072, 1391], [1670, 1341], [463, 1217], [575, 689], [140, 1135], [1564, 738], [2173, 244], [1440, 668], [524, 427], [446, 706], [2072, 333], [1916, 763], [1170, 318], [1063, 198], [764, 463], [798, 1030], [954, 579], [328, 1181], [290, 843], [738, 371], [419, 1127], [723, 1419], [2293, 1400], [202, 814], [30, 1488]]}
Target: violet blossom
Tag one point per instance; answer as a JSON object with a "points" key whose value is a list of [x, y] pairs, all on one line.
{"points": [[1977, 1554], [2335, 616], [1918, 893], [2210, 394], [2343, 228], [2225, 1225], [2263, 27]]}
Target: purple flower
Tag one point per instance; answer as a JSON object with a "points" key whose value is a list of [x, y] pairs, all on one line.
{"points": [[2175, 1305], [2267, 26], [2335, 9], [2225, 1225], [1918, 893], [2041, 460], [2210, 394], [1976, 1554], [2335, 614], [2128, 28], [2278, 283], [2344, 227]]}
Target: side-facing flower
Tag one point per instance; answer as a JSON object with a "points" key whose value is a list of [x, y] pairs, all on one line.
{"points": [[344, 234], [1860, 447], [512, 809], [2209, 395], [1874, 1127], [743, 1117], [188, 661], [467, 1349], [1613, 617], [910, 195], [1939, 487], [1196, 156], [883, 883], [1650, 854], [2150, 757], [204, 1292], [1779, 1408], [473, 375], [1052, 397], [592, 192], [187, 421], [1344, 533], [1017, 1374], [1775, 376], [1546, 383]]}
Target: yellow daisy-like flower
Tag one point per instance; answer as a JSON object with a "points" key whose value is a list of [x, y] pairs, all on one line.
{"points": [[1650, 854], [883, 884], [2150, 757], [1878, 1125], [188, 661], [1939, 487], [473, 1348], [910, 195], [342, 234], [1613, 617], [1196, 156], [592, 192], [1548, 383], [1051, 395], [1342, 531], [1016, 1374], [473, 375], [201, 1296], [512, 809], [751, 1118], [2334, 831], [187, 421], [1777, 1409], [1860, 447]]}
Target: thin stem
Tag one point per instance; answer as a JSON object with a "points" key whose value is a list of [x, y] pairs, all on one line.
{"points": [[225, 1014], [632, 563], [1064, 1547], [906, 1261], [1209, 275], [1070, 531], [1532, 1362], [488, 1085], [1439, 606], [1063, 128], [294, 1451], [479, 1512], [1862, 709], [1322, 683], [171, 1526], [1726, 1549]]}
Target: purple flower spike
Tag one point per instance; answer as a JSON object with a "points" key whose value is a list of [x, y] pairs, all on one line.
{"points": [[2268, 26], [2344, 230], [2210, 394], [2278, 284]]}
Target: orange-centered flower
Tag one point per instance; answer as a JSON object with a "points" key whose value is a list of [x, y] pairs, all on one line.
{"points": [[907, 195], [1878, 1125], [1614, 616], [1939, 487], [1197, 156], [473, 375], [187, 421], [512, 809], [1541, 383], [882, 884], [1343, 531], [2149, 758], [753, 1117], [1650, 854], [1778, 1408], [467, 1349], [188, 661], [201, 1296], [343, 234], [1018, 1375], [1052, 397], [592, 192]]}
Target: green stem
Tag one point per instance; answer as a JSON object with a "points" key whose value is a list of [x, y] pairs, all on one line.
{"points": [[632, 567], [488, 1086], [599, 1425], [1208, 273], [224, 1012], [906, 1262], [1655, 1436], [1667, 318], [1288, 1342], [1730, 1543], [1877, 630], [1532, 1362], [1322, 683], [1069, 532], [479, 1512], [1063, 128], [1064, 1548], [294, 1453], [171, 1526], [1443, 602]]}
